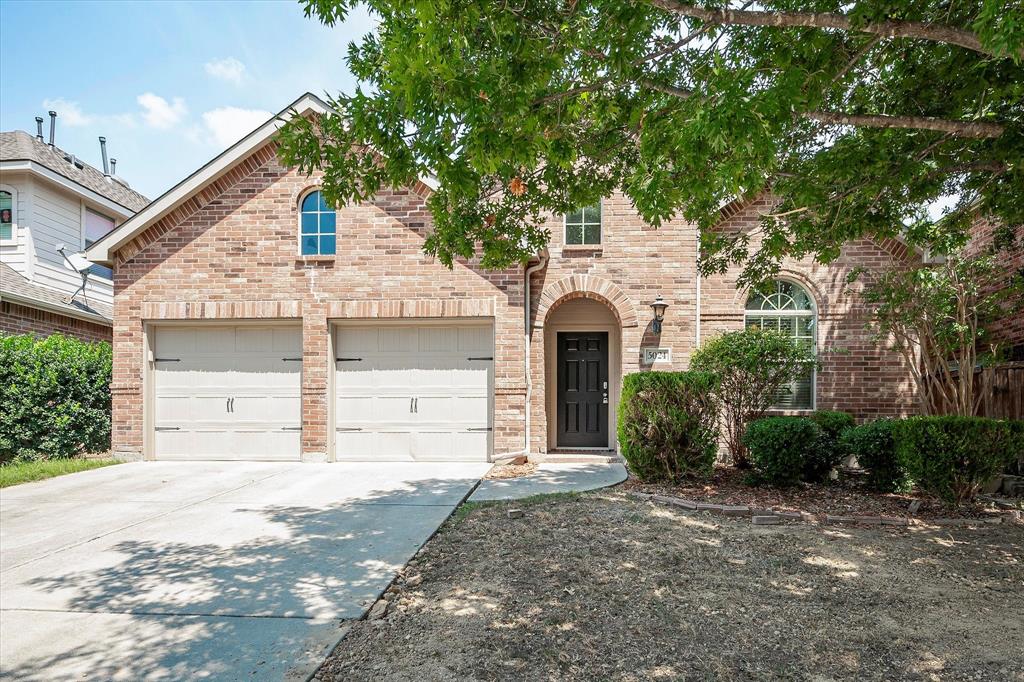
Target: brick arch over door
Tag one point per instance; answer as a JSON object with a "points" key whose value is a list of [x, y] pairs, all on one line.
{"points": [[587, 286]]}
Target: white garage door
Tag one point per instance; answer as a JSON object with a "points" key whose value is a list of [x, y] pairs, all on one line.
{"points": [[413, 392], [228, 392]]}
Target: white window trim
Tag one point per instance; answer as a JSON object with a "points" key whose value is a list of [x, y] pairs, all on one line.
{"points": [[600, 227], [298, 227], [793, 313], [14, 215], [86, 208]]}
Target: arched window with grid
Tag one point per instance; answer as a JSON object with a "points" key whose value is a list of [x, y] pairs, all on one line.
{"points": [[787, 308], [317, 226]]}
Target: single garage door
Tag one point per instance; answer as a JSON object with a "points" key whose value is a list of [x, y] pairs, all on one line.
{"points": [[416, 392], [228, 392]]}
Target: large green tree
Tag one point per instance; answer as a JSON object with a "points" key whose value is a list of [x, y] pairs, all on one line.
{"points": [[859, 117]]}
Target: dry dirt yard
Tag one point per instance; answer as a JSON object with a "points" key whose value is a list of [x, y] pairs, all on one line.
{"points": [[601, 586]]}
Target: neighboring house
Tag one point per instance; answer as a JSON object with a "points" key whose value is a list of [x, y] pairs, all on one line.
{"points": [[255, 322], [49, 197]]}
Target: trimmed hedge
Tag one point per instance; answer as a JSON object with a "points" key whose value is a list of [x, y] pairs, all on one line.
{"points": [[830, 451], [780, 448], [875, 449], [668, 424], [55, 394], [951, 456]]}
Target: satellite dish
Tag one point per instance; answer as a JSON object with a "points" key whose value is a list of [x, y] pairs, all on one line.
{"points": [[75, 260]]}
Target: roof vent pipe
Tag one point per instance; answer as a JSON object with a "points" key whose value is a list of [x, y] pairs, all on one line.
{"points": [[113, 166], [39, 128], [53, 126], [103, 152]]}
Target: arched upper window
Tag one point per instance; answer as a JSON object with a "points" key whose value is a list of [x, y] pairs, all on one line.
{"points": [[787, 308], [317, 226], [7, 221]]}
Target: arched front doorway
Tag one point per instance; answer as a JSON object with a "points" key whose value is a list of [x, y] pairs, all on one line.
{"points": [[583, 373]]}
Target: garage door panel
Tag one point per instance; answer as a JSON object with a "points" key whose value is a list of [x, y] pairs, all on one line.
{"points": [[425, 366], [227, 392]]}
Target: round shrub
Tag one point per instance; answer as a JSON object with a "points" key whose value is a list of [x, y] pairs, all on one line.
{"points": [[830, 451], [873, 446], [953, 456], [668, 424], [55, 397], [780, 447]]}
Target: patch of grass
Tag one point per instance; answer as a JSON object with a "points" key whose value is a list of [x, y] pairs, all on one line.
{"points": [[25, 472]]}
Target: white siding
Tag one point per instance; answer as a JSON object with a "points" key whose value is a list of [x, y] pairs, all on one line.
{"points": [[56, 218]]}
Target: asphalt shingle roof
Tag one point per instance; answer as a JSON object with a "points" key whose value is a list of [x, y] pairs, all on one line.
{"points": [[14, 284], [20, 146]]}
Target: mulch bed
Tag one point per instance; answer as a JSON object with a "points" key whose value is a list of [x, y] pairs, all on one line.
{"points": [[847, 496], [506, 471]]}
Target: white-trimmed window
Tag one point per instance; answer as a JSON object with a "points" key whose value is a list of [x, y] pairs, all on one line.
{"points": [[97, 226], [8, 220], [317, 226], [583, 226], [786, 308]]}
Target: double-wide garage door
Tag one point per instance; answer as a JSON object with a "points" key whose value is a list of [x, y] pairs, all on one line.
{"points": [[408, 392]]}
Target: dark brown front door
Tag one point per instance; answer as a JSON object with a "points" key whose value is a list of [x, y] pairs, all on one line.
{"points": [[583, 389]]}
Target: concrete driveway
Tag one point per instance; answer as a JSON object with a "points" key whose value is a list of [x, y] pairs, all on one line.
{"points": [[217, 570]]}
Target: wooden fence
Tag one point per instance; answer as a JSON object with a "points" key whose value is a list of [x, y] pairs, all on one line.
{"points": [[1002, 389]]}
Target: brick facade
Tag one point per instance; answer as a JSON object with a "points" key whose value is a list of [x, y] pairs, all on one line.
{"points": [[17, 319], [230, 253], [1007, 332]]}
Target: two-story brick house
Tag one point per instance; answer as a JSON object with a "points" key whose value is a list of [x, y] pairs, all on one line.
{"points": [[253, 321], [50, 198]]}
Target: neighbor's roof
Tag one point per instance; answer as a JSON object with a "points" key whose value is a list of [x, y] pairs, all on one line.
{"points": [[16, 289], [20, 146], [103, 250]]}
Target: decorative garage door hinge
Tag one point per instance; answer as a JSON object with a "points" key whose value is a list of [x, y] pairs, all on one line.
{"points": [[491, 359], [291, 428], [166, 359], [291, 359], [349, 428], [348, 359], [167, 428], [479, 428]]}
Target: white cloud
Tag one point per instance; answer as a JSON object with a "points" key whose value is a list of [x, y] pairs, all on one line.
{"points": [[159, 113], [229, 69], [228, 125], [69, 113]]}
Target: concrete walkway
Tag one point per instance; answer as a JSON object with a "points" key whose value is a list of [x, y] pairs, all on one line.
{"points": [[214, 570], [551, 478]]}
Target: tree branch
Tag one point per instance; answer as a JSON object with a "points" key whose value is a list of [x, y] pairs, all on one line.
{"points": [[920, 30], [957, 128]]}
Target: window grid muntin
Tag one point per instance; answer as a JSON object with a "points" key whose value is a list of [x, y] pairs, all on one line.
{"points": [[318, 226], [583, 226], [783, 315]]}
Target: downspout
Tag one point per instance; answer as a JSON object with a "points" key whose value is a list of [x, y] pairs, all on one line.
{"points": [[527, 329]]}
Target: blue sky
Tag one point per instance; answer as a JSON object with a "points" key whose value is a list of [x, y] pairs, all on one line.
{"points": [[169, 84]]}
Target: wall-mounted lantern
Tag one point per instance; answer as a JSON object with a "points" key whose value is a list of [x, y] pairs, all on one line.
{"points": [[659, 307]]}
